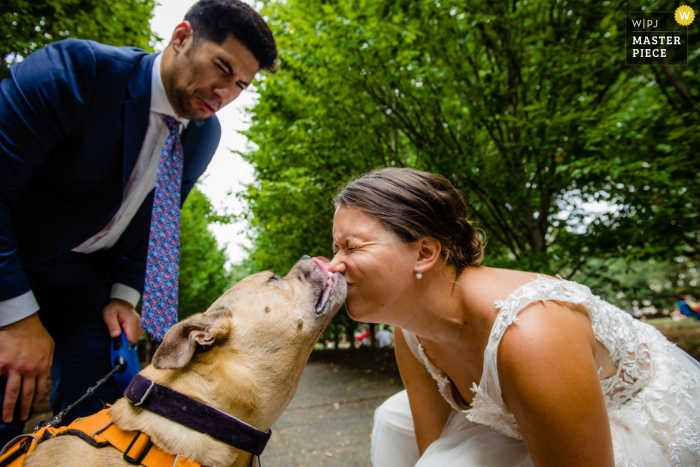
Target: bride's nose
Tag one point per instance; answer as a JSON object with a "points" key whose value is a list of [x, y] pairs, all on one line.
{"points": [[337, 265], [325, 265]]}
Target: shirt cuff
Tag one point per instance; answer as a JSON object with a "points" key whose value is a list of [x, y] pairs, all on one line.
{"points": [[126, 293], [18, 308]]}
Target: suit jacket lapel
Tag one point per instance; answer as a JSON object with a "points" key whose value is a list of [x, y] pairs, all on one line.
{"points": [[190, 138], [199, 142], [137, 108]]}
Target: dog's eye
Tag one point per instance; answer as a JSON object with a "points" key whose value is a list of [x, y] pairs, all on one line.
{"points": [[274, 277]]}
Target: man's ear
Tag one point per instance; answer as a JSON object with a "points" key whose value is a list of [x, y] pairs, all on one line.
{"points": [[181, 34], [180, 341]]}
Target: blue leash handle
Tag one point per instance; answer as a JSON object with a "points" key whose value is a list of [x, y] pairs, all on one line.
{"points": [[123, 353]]}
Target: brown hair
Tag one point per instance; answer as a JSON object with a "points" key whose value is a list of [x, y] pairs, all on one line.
{"points": [[414, 204]]}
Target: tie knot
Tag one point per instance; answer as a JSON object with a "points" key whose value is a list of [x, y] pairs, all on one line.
{"points": [[173, 123]]}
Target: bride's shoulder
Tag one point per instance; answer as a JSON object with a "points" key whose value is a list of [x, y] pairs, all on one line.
{"points": [[517, 279], [489, 285], [494, 284], [504, 294]]}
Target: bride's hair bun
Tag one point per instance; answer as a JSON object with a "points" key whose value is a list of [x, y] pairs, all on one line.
{"points": [[414, 204]]}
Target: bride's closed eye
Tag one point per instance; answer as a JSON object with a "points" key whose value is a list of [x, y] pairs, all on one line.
{"points": [[343, 251]]}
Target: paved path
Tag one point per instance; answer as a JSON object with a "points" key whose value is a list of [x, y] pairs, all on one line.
{"points": [[329, 421]]}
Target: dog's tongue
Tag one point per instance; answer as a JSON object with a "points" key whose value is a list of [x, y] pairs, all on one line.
{"points": [[325, 266]]}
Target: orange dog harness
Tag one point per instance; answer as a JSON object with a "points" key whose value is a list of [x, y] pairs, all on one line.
{"points": [[99, 431]]}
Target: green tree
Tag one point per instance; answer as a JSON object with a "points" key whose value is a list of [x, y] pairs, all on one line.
{"points": [[653, 286], [203, 276], [29, 25], [527, 107]]}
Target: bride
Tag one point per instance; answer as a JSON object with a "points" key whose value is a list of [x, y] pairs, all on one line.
{"points": [[501, 367]]}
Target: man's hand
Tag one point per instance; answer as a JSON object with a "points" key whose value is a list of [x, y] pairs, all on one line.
{"points": [[26, 353], [119, 315]]}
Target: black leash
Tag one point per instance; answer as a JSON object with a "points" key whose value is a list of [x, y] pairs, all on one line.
{"points": [[119, 367]]}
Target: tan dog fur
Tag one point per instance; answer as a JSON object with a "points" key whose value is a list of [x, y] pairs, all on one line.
{"points": [[244, 356]]}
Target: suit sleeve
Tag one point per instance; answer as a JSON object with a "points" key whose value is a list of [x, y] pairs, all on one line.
{"points": [[42, 103]]}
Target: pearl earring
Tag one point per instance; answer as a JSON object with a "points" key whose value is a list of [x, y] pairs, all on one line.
{"points": [[419, 275]]}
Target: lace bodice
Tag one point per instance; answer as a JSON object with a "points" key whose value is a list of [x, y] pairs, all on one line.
{"points": [[631, 345], [445, 386]]}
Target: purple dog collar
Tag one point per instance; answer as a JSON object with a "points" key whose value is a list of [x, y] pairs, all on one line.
{"points": [[179, 408]]}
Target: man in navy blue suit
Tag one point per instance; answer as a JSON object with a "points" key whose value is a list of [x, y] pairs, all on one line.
{"points": [[82, 126]]}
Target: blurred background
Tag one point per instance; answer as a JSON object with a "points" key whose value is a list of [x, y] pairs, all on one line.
{"points": [[572, 162]]}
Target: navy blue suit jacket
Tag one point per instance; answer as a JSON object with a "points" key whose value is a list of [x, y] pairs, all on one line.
{"points": [[73, 117]]}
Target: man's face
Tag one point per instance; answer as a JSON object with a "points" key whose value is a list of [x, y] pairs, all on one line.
{"points": [[206, 76]]}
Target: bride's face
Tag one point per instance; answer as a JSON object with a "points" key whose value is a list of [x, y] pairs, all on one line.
{"points": [[377, 266]]}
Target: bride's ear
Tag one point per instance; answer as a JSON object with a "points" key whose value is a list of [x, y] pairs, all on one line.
{"points": [[428, 253]]}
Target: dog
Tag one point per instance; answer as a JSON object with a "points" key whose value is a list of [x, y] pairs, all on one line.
{"points": [[244, 356]]}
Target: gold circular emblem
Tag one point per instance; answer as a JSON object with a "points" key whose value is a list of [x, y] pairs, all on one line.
{"points": [[684, 15]]}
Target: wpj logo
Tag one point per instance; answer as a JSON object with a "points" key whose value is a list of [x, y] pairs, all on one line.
{"points": [[657, 37], [684, 15]]}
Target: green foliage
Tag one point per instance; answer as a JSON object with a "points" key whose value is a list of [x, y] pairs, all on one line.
{"points": [[29, 25], [203, 277], [527, 107], [649, 286]]}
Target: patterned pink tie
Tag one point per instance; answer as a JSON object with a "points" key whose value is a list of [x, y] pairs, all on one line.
{"points": [[163, 263]]}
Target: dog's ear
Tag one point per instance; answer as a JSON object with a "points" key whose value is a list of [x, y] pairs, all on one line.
{"points": [[180, 341]]}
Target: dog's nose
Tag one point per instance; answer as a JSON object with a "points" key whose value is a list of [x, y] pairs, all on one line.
{"points": [[304, 257]]}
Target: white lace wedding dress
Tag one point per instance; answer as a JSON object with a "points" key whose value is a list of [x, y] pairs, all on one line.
{"points": [[653, 401]]}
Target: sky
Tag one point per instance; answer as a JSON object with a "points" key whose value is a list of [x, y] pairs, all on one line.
{"points": [[227, 172]]}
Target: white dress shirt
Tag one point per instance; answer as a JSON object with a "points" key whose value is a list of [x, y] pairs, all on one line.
{"points": [[141, 182]]}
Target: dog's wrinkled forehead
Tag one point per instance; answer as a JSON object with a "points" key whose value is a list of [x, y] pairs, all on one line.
{"points": [[266, 292]]}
